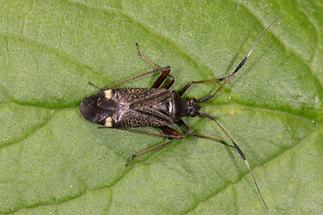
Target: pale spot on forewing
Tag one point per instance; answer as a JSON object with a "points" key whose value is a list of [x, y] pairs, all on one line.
{"points": [[108, 122], [108, 94]]}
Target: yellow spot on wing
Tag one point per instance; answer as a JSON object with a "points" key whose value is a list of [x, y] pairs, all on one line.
{"points": [[108, 122], [108, 94]]}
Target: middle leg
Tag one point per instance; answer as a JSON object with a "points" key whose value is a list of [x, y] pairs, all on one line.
{"points": [[168, 132], [183, 125]]}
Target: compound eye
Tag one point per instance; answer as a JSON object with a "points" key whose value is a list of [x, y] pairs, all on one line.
{"points": [[192, 101], [193, 113]]}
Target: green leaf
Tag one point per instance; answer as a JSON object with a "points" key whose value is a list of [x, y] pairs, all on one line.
{"points": [[52, 161]]}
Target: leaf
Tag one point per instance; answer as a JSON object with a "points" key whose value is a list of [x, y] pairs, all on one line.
{"points": [[52, 161]]}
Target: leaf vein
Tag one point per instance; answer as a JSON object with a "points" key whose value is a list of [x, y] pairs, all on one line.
{"points": [[49, 49], [25, 136]]}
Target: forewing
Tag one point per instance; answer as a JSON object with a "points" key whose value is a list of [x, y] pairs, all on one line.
{"points": [[133, 118]]}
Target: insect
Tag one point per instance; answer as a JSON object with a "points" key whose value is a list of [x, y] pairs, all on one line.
{"points": [[159, 107]]}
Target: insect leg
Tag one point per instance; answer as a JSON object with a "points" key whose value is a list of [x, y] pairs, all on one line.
{"points": [[163, 76], [131, 78], [178, 135], [168, 83], [124, 80], [239, 151], [171, 132], [155, 68], [161, 70], [183, 125], [147, 150], [165, 135], [167, 132], [189, 84], [165, 71], [143, 57]]}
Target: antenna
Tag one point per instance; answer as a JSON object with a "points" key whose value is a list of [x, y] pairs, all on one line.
{"points": [[236, 146], [244, 60]]}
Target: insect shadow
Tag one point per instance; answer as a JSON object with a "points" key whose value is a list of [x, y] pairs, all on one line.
{"points": [[160, 107]]}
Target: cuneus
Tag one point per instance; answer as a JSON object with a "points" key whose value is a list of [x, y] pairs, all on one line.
{"points": [[159, 106]]}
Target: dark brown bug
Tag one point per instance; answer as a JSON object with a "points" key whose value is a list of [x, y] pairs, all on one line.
{"points": [[158, 106]]}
